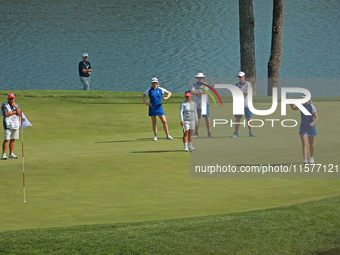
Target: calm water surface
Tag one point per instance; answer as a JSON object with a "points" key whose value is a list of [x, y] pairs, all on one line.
{"points": [[131, 41]]}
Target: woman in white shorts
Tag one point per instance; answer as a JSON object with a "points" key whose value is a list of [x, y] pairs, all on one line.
{"points": [[189, 118]]}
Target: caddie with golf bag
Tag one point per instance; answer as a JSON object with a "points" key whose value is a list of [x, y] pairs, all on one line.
{"points": [[11, 122]]}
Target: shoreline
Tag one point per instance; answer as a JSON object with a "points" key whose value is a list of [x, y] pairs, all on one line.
{"points": [[120, 97]]}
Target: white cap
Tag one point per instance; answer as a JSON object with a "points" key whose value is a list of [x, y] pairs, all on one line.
{"points": [[241, 74], [200, 75], [154, 80], [85, 55]]}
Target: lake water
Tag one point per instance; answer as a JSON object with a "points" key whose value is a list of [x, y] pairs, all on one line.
{"points": [[131, 41]]}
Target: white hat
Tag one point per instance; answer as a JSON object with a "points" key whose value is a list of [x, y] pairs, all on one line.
{"points": [[200, 75], [154, 80], [241, 74], [85, 55]]}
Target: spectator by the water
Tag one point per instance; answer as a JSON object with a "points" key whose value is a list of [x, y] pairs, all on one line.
{"points": [[85, 70]]}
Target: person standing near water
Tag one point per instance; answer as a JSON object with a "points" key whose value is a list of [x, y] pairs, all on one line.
{"points": [[11, 112], [189, 118], [307, 130], [155, 106], [198, 91], [85, 70], [243, 85]]}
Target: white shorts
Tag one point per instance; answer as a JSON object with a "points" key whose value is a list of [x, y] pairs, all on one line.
{"points": [[189, 125], [11, 134]]}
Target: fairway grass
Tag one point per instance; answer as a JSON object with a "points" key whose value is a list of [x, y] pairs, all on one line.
{"points": [[311, 228], [90, 159]]}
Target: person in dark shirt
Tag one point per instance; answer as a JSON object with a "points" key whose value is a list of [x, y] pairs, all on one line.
{"points": [[85, 70]]}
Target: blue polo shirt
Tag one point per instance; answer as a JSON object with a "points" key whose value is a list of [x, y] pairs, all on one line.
{"points": [[155, 95], [306, 120], [82, 65]]}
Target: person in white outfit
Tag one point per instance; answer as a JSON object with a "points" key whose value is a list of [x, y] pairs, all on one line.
{"points": [[198, 91], [189, 119]]}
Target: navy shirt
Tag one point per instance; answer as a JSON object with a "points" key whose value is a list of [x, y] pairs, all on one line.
{"points": [[306, 120], [83, 65]]}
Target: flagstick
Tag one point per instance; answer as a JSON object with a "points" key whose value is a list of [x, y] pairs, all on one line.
{"points": [[23, 160]]}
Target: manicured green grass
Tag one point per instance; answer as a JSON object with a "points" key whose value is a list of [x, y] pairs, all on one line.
{"points": [[311, 228], [83, 97], [90, 159]]}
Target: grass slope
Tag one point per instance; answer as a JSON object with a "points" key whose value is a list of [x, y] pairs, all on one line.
{"points": [[90, 159], [311, 228]]}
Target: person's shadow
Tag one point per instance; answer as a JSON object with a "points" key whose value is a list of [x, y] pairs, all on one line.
{"points": [[142, 140]]}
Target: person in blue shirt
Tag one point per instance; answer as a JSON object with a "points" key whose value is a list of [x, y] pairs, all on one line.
{"points": [[85, 69], [307, 130], [155, 106]]}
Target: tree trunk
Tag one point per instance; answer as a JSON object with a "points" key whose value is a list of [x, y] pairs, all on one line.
{"points": [[276, 48], [247, 41]]}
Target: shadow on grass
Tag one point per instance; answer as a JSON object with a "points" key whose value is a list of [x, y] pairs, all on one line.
{"points": [[127, 141], [329, 252], [177, 137], [156, 151], [136, 140], [222, 137]]}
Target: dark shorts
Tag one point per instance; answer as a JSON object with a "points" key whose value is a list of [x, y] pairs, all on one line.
{"points": [[199, 111], [247, 113]]}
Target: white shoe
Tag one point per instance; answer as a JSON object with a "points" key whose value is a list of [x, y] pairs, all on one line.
{"points": [[192, 149], [12, 155], [169, 137], [155, 138], [305, 162], [311, 160], [186, 149], [4, 157]]}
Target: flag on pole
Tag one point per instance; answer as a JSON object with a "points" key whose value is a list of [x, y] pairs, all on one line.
{"points": [[25, 122]]}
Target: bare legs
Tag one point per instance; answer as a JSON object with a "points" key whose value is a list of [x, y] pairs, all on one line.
{"points": [[207, 123], [187, 136], [154, 124], [237, 124], [305, 139], [5, 145]]}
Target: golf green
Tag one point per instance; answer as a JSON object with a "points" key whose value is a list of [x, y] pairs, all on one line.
{"points": [[89, 162]]}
